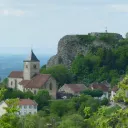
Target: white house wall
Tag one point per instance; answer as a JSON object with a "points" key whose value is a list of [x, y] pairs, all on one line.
{"points": [[2, 106], [13, 82], [27, 109]]}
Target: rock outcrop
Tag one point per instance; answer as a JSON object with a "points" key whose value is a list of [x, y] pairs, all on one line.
{"points": [[71, 45]]}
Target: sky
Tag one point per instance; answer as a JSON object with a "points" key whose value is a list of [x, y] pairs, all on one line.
{"points": [[39, 24]]}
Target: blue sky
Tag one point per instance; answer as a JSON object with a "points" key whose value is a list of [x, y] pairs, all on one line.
{"points": [[41, 23]]}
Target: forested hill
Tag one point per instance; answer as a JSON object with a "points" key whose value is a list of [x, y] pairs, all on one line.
{"points": [[95, 57]]}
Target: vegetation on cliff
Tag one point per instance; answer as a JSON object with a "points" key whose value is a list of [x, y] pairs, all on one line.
{"points": [[92, 58], [101, 65]]}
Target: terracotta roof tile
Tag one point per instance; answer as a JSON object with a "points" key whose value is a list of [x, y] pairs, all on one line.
{"points": [[24, 82], [16, 74], [37, 82], [76, 87], [100, 86], [27, 102]]}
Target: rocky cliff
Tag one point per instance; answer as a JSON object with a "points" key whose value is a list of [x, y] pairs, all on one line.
{"points": [[71, 45]]}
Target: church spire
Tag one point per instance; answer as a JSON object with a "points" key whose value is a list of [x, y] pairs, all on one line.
{"points": [[32, 56]]}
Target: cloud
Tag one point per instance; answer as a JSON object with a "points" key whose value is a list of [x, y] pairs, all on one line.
{"points": [[119, 7], [12, 12]]}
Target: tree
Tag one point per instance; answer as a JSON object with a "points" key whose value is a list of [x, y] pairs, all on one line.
{"points": [[4, 83], [72, 121], [59, 107], [93, 93], [2, 92], [9, 119], [122, 93], [42, 98], [60, 73], [104, 101]]}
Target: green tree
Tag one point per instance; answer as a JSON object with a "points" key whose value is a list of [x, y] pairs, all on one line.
{"points": [[9, 119], [93, 93], [60, 73], [72, 121], [59, 107], [42, 98]]}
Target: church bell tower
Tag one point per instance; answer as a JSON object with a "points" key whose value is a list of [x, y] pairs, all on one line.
{"points": [[31, 66]]}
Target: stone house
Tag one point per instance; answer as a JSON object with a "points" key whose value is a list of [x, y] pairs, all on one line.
{"points": [[26, 106], [30, 78], [103, 87], [73, 89]]}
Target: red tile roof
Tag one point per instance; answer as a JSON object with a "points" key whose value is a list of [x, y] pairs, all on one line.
{"points": [[100, 86], [27, 102], [36, 82], [76, 87], [16, 74], [24, 82], [115, 88]]}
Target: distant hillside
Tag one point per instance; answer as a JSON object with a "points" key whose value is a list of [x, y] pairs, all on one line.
{"points": [[71, 45]]}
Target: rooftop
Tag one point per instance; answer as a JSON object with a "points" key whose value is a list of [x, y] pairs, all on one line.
{"points": [[36, 82], [32, 57], [27, 102], [100, 86], [16, 74], [76, 87]]}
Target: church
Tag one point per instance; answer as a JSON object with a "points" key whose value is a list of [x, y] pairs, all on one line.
{"points": [[30, 79]]}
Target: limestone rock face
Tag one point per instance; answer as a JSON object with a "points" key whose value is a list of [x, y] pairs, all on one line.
{"points": [[70, 46]]}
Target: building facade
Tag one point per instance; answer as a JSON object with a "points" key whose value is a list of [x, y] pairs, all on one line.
{"points": [[30, 79], [73, 89], [26, 106]]}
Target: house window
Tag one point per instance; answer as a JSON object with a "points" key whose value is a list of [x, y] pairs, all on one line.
{"points": [[30, 106], [50, 86], [35, 107], [11, 83], [34, 66], [34, 91], [26, 66], [25, 106], [15, 84]]}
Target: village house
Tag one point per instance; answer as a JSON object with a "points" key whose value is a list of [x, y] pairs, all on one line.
{"points": [[73, 89], [30, 79], [113, 92], [26, 106], [103, 87]]}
